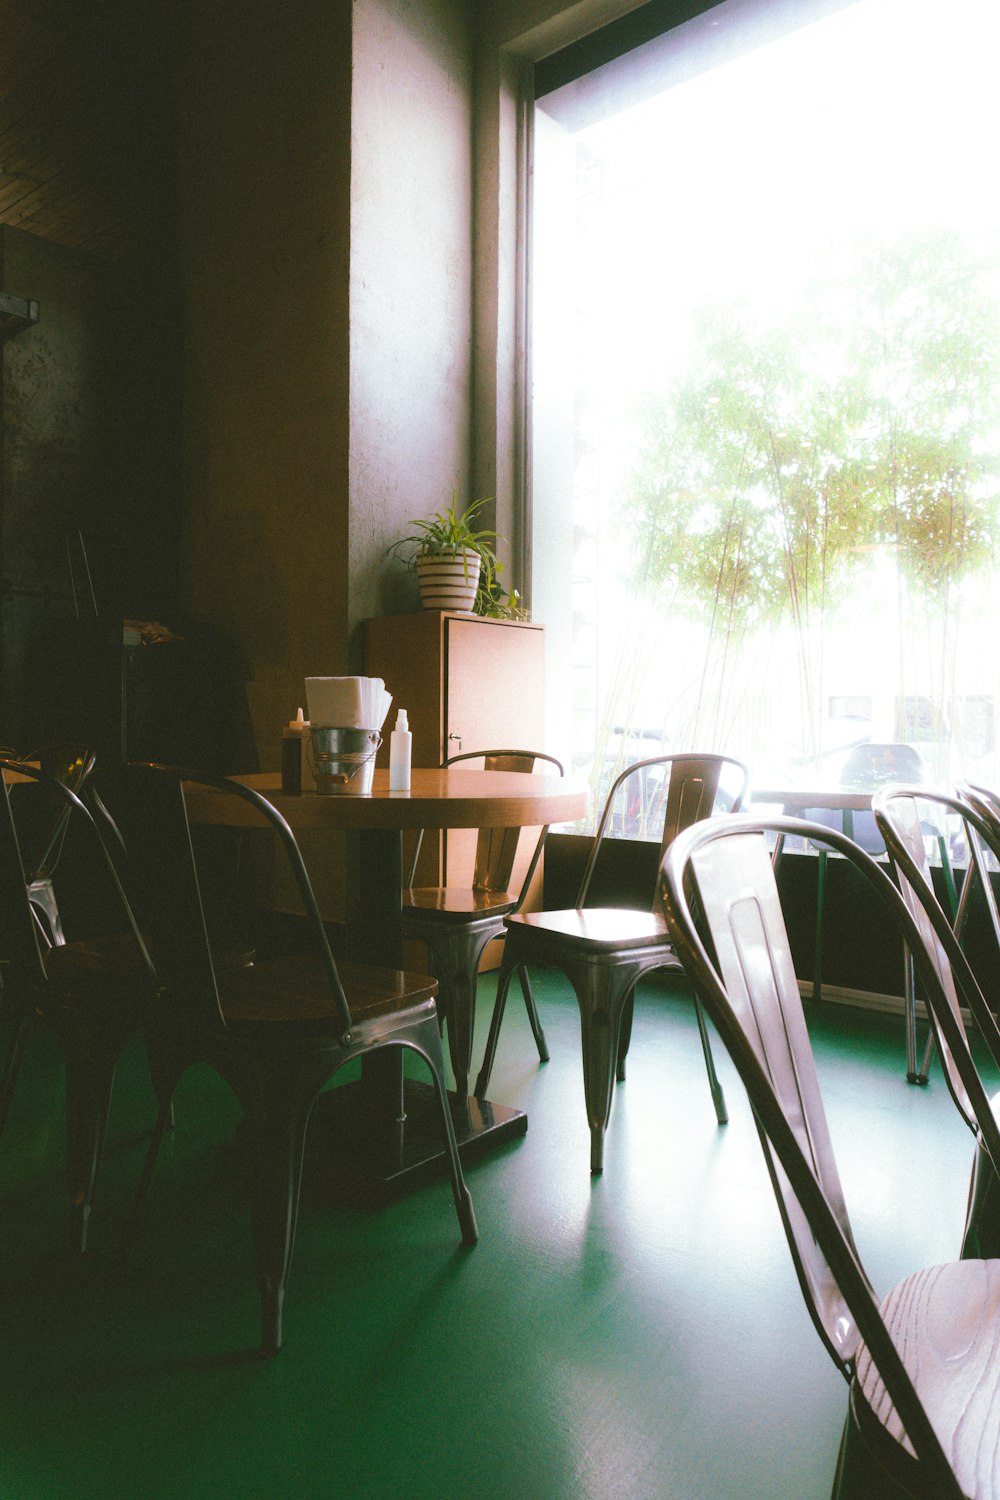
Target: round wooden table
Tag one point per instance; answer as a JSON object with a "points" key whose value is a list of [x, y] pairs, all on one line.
{"points": [[436, 799], [389, 1134]]}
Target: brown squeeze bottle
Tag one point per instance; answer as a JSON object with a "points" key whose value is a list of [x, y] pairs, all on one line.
{"points": [[292, 747]]}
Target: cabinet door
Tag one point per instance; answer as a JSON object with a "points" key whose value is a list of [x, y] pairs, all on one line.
{"points": [[494, 675]]}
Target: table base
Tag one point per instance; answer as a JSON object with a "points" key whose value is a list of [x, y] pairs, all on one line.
{"points": [[352, 1157]]}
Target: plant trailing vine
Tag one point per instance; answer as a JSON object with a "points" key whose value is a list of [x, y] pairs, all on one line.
{"points": [[448, 533]]}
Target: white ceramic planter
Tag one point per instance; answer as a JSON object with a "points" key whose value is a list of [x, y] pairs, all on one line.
{"points": [[449, 580]]}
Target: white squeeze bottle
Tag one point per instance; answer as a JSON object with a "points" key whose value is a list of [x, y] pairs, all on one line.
{"points": [[400, 746]]}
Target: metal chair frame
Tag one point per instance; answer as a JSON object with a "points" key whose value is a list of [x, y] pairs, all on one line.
{"points": [[748, 986], [92, 995], [604, 953], [277, 1030], [458, 923], [898, 816], [72, 765]]}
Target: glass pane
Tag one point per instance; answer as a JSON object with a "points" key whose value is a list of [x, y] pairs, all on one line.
{"points": [[766, 419]]}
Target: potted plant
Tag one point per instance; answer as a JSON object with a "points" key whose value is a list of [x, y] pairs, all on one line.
{"points": [[454, 559]]}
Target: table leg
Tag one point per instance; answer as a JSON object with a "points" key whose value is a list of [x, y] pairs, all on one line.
{"points": [[388, 1126]]}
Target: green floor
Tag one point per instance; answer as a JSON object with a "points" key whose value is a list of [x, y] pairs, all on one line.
{"points": [[636, 1335]]}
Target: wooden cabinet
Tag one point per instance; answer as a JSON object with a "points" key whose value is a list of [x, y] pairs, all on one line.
{"points": [[467, 683]]}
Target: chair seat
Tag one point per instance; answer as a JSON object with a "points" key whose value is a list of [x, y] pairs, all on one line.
{"points": [[458, 902], [295, 988], [945, 1322], [595, 928], [118, 956]]}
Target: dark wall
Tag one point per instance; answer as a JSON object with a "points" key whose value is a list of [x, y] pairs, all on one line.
{"points": [[88, 483]]}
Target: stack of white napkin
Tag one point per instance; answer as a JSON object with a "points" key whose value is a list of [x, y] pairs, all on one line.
{"points": [[347, 702]]}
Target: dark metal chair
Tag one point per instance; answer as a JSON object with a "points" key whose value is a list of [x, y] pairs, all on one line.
{"points": [[42, 819], [91, 992], [901, 813], [984, 799], [277, 1030], [924, 1406], [868, 767], [457, 922], [604, 951]]}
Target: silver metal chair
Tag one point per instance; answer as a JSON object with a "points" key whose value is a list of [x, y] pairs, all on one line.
{"points": [[91, 992], [924, 1405], [277, 1030], [604, 951], [900, 813], [457, 922], [42, 819]]}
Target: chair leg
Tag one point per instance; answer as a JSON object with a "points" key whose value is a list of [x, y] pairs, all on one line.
{"points": [[164, 1118], [89, 1082], [432, 1055], [279, 1142], [507, 968], [532, 1009], [460, 1006], [913, 1075], [718, 1097], [602, 993], [12, 1062], [860, 1474], [166, 1065], [981, 1237], [277, 1095], [625, 1036], [817, 991], [455, 957]]}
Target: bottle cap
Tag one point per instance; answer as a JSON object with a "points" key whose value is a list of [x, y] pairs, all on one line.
{"points": [[298, 723], [401, 720]]}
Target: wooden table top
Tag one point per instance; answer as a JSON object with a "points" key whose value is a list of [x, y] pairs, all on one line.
{"points": [[437, 799]]}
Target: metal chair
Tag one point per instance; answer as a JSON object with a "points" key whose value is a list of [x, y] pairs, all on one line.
{"points": [[42, 819], [984, 799], [900, 812], [92, 992], [604, 951], [457, 922], [277, 1030], [868, 767], [924, 1405]]}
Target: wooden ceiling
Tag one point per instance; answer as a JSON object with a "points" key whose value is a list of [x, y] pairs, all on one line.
{"points": [[86, 123]]}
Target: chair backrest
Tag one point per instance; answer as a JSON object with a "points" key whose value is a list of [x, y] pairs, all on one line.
{"points": [[19, 936], [42, 816], [20, 943], [984, 799], [749, 988], [986, 805], [694, 786], [163, 866], [900, 815], [496, 848]]}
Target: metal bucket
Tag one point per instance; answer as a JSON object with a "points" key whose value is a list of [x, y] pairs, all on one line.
{"points": [[343, 760]]}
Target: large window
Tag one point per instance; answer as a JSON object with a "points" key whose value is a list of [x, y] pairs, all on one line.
{"points": [[766, 404]]}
